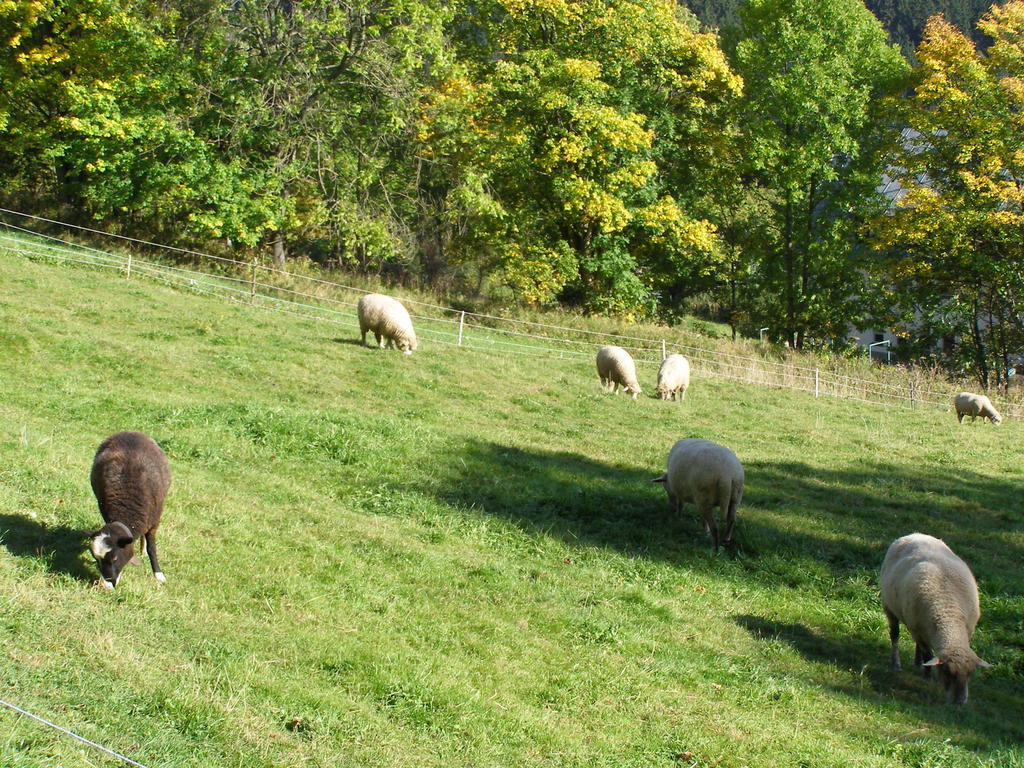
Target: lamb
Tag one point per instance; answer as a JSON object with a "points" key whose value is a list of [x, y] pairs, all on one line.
{"points": [[969, 404], [617, 369], [673, 377], [710, 476], [388, 320], [932, 591], [130, 477]]}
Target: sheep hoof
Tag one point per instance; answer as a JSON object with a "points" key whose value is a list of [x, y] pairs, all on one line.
{"points": [[107, 584], [159, 576], [407, 352]]}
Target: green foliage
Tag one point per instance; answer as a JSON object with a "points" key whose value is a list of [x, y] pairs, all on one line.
{"points": [[812, 71], [597, 154], [564, 125], [904, 20], [316, 100], [953, 234]]}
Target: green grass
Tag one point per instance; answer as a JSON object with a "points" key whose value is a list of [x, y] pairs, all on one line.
{"points": [[457, 559]]}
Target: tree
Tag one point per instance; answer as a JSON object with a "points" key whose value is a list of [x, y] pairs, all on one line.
{"points": [[559, 136], [813, 69], [952, 237], [318, 100], [87, 112]]}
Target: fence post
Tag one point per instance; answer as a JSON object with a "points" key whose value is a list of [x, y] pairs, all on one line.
{"points": [[252, 282], [663, 349], [128, 269], [816, 387], [462, 322]]}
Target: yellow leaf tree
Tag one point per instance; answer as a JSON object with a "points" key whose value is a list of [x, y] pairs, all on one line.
{"points": [[559, 140], [953, 235]]}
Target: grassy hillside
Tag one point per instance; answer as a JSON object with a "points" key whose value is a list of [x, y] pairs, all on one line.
{"points": [[457, 559]]}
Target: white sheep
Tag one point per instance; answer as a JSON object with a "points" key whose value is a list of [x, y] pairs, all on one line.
{"points": [[969, 404], [710, 476], [673, 377], [616, 369], [388, 320], [933, 592]]}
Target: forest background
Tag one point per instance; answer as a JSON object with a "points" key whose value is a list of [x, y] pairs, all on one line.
{"points": [[810, 166]]}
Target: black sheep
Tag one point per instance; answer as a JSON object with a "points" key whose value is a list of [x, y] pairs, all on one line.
{"points": [[130, 477]]}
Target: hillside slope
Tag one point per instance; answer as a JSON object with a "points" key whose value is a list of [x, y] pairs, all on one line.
{"points": [[457, 558]]}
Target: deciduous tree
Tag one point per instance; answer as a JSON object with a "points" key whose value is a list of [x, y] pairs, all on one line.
{"points": [[561, 135], [953, 235], [812, 71]]}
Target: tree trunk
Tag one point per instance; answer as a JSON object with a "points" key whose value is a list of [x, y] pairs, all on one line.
{"points": [[732, 296], [805, 267], [280, 252], [789, 261], [979, 347]]}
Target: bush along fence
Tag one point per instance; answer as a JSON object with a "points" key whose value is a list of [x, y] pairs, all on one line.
{"points": [[269, 288]]}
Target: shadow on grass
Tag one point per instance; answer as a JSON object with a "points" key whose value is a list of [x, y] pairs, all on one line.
{"points": [[568, 496], [870, 678], [822, 531], [59, 548], [354, 341], [795, 519], [863, 507]]}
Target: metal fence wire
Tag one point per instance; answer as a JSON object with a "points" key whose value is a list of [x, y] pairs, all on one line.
{"points": [[277, 290]]}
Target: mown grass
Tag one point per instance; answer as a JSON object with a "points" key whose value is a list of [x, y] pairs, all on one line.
{"points": [[458, 559]]}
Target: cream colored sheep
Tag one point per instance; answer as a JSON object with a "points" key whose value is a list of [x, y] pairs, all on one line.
{"points": [[710, 476], [969, 404], [932, 591], [673, 377], [617, 369], [388, 320]]}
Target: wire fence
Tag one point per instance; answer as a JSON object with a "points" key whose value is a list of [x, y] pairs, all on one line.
{"points": [[72, 734], [273, 289]]}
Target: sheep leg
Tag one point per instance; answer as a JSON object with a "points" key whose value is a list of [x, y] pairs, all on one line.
{"points": [[727, 503], [960, 417], [709, 523], [730, 520], [142, 550], [675, 506], [151, 551], [922, 653], [894, 638]]}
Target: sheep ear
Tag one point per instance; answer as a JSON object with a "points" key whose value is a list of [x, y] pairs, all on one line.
{"points": [[661, 479], [124, 541], [934, 661], [92, 534], [983, 663]]}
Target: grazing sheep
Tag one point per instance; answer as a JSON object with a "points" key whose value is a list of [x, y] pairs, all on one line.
{"points": [[616, 368], [130, 477], [933, 593], [969, 404], [388, 320], [673, 377], [710, 476]]}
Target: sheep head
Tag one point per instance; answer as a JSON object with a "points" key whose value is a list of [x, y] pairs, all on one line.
{"points": [[955, 670], [113, 546]]}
